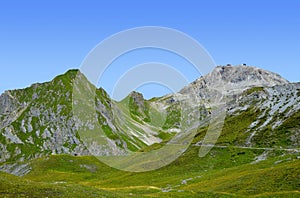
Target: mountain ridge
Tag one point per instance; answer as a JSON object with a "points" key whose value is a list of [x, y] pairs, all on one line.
{"points": [[231, 78], [38, 120]]}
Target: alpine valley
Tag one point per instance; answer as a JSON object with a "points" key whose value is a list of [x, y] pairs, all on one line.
{"points": [[48, 148]]}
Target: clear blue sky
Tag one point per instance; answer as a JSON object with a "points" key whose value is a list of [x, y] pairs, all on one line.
{"points": [[41, 39]]}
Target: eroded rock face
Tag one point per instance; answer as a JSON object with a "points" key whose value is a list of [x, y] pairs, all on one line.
{"points": [[138, 99], [7, 103]]}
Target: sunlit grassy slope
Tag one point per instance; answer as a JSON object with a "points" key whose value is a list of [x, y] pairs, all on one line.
{"points": [[224, 172]]}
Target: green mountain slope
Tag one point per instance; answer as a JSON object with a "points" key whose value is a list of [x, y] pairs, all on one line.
{"points": [[38, 121], [225, 171], [50, 145]]}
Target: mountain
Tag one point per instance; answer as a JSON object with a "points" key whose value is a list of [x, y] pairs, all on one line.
{"points": [[39, 125], [263, 98], [236, 79]]}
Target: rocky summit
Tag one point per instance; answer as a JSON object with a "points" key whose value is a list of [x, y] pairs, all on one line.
{"points": [[236, 79], [262, 116]]}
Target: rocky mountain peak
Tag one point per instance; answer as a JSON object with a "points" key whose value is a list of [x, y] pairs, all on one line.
{"points": [[236, 79], [137, 97]]}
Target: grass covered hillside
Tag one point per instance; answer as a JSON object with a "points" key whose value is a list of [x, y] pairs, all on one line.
{"points": [[227, 172]]}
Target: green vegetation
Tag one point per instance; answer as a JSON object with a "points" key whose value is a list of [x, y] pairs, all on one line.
{"points": [[234, 129], [253, 90], [12, 186], [139, 108], [280, 136], [173, 118], [223, 172]]}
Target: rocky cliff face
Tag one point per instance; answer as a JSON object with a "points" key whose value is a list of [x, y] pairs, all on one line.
{"points": [[39, 120]]}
